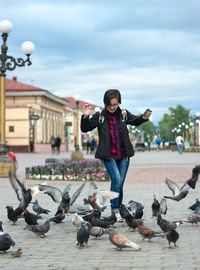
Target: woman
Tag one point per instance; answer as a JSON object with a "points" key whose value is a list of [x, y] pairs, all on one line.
{"points": [[114, 146]]}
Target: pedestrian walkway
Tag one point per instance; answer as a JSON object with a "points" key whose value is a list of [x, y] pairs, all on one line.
{"points": [[145, 178]]}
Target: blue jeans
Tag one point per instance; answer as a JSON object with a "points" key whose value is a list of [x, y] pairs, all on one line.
{"points": [[117, 170], [180, 148]]}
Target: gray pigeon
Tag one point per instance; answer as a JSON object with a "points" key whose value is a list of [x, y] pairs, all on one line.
{"points": [[38, 209], [41, 229], [5, 241], [83, 235], [191, 219]]}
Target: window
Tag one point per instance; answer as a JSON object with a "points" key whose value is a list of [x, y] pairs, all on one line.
{"points": [[11, 129]]}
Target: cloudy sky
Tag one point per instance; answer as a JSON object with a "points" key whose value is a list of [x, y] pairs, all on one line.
{"points": [[148, 49]]}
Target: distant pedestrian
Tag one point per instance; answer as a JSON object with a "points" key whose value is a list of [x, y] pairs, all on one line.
{"points": [[57, 144], [149, 145], [93, 145], [53, 142], [158, 142], [179, 143], [88, 144]]}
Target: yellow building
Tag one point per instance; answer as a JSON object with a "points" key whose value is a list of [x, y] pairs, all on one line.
{"points": [[25, 102]]}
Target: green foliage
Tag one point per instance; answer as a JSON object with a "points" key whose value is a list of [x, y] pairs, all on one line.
{"points": [[149, 130], [170, 121]]}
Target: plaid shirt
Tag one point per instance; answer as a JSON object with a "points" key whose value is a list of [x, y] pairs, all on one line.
{"points": [[117, 144]]}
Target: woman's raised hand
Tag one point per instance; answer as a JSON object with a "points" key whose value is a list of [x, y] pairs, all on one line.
{"points": [[87, 110]]}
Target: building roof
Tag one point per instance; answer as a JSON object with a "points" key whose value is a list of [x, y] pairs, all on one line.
{"points": [[14, 85], [72, 103], [15, 88]]}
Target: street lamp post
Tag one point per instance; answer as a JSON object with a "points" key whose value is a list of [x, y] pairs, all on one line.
{"points": [[77, 154], [8, 63]]}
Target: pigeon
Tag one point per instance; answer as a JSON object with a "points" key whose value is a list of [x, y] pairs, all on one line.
{"points": [[59, 217], [95, 219], [80, 209], [30, 218], [95, 231], [83, 235], [181, 193], [38, 209], [120, 241], [5, 241], [17, 253], [195, 205], [98, 198], [77, 220], [135, 208], [63, 198], [147, 232], [129, 219], [12, 214], [24, 195], [178, 193], [172, 236], [167, 226], [195, 174], [158, 208], [191, 219], [40, 230]]}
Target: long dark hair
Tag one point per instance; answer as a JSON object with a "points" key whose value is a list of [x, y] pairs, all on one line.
{"points": [[110, 94]]}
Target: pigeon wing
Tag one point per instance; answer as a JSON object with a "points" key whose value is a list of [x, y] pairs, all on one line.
{"points": [[163, 206], [92, 188], [17, 186], [53, 192], [172, 186], [76, 194]]}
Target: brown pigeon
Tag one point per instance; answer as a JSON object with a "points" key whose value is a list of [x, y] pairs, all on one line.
{"points": [[147, 232], [120, 241]]}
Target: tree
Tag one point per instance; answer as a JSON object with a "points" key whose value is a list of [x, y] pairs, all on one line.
{"points": [[170, 121]]}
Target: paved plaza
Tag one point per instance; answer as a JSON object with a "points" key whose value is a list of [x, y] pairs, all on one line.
{"points": [[146, 177]]}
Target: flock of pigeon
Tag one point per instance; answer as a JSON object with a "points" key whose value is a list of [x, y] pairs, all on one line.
{"points": [[87, 217]]}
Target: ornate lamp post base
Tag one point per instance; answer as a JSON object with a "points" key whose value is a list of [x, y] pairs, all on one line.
{"points": [[77, 154]]}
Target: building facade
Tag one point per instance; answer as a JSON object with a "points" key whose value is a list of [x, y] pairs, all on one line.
{"points": [[24, 103]]}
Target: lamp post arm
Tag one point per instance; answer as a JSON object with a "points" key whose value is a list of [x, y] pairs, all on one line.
{"points": [[9, 62]]}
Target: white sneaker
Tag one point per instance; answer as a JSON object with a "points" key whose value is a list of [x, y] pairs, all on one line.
{"points": [[119, 218]]}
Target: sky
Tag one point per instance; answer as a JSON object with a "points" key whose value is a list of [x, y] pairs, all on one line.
{"points": [[148, 49]]}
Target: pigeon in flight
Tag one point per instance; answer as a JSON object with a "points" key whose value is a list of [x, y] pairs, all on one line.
{"points": [[195, 205], [24, 195], [158, 207], [181, 193], [125, 214], [98, 198], [63, 198], [135, 208], [120, 241]]}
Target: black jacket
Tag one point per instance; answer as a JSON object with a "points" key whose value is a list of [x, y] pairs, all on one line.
{"points": [[100, 121]]}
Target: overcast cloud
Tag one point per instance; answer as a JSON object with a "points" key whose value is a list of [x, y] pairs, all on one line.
{"points": [[150, 50]]}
